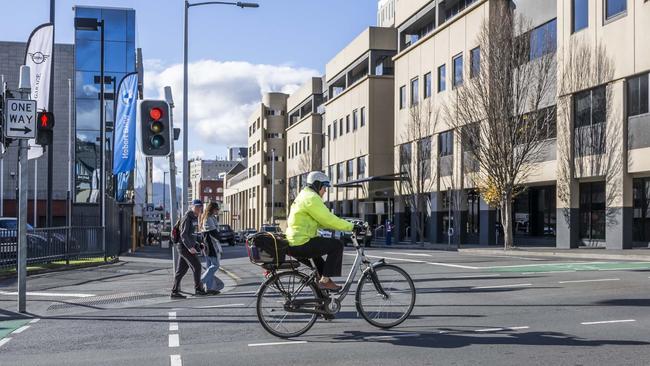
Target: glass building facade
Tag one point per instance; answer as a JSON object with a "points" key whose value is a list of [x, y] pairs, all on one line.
{"points": [[119, 59]]}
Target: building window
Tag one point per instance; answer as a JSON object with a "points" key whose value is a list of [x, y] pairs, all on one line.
{"points": [[363, 116], [442, 78], [614, 8], [543, 40], [329, 132], [427, 85], [446, 143], [590, 115], [405, 157], [335, 129], [347, 124], [402, 97], [355, 119], [592, 211], [415, 91], [349, 170], [458, 71], [580, 19], [340, 173], [641, 226], [424, 157], [341, 127], [361, 167], [637, 95], [474, 62], [330, 173]]}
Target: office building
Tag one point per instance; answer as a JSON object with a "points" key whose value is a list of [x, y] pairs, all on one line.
{"points": [[237, 153], [206, 179]]}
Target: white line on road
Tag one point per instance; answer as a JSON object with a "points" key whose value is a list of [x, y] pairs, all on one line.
{"points": [[411, 254], [502, 286], [477, 276], [275, 343], [598, 280], [392, 336], [175, 360], [4, 341], [501, 329], [609, 322], [173, 327], [172, 315], [21, 329], [50, 294], [174, 341], [220, 306], [34, 320]]}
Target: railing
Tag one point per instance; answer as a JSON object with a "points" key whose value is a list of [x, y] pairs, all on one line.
{"points": [[380, 232], [47, 245]]}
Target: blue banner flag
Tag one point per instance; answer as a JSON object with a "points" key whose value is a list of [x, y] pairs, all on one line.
{"points": [[124, 152]]}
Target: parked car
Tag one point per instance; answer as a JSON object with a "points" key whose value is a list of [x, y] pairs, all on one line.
{"points": [[225, 234], [37, 242]]}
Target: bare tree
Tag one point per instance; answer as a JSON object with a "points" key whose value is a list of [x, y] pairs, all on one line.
{"points": [[417, 179], [503, 101], [590, 137]]}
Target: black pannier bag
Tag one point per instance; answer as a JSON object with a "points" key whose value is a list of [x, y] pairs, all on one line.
{"points": [[266, 248]]}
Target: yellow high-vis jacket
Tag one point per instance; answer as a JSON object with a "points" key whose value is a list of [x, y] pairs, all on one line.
{"points": [[308, 214]]}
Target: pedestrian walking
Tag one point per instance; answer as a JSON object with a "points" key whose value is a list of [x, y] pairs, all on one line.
{"points": [[188, 248], [209, 223]]}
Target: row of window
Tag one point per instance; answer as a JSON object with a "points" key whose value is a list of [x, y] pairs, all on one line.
{"points": [[580, 12], [254, 170], [339, 128], [254, 148], [345, 170], [299, 147], [254, 127]]}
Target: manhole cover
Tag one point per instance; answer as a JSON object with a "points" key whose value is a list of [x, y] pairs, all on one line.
{"points": [[101, 301]]}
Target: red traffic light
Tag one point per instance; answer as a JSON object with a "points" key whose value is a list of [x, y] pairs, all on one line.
{"points": [[155, 113], [45, 120]]}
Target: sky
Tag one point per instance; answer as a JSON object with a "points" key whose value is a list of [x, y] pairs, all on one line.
{"points": [[235, 54]]}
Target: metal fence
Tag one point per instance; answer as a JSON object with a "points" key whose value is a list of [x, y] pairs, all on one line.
{"points": [[46, 245]]}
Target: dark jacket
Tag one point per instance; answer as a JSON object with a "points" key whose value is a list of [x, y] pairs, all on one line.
{"points": [[188, 230]]}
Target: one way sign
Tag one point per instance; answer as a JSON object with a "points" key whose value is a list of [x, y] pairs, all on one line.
{"points": [[20, 119]]}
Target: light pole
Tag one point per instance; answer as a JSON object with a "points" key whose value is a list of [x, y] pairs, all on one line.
{"points": [[92, 24], [272, 186], [164, 199], [186, 171]]}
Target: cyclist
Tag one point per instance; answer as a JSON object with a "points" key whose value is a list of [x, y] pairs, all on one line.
{"points": [[308, 214]]}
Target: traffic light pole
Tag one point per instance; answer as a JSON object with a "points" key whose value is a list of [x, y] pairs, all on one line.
{"points": [[173, 213], [102, 142], [50, 148], [23, 179]]}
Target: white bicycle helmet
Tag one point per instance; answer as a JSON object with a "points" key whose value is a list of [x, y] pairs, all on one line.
{"points": [[318, 178]]}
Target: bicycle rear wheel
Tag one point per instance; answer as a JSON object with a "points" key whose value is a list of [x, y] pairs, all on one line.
{"points": [[395, 305], [276, 293]]}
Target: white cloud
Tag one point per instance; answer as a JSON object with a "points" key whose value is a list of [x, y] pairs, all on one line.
{"points": [[222, 97]]}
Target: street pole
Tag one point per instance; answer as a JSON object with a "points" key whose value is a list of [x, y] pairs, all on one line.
{"points": [[70, 163], [2, 153], [186, 171], [23, 176], [35, 202], [173, 213], [272, 186], [102, 139], [164, 198], [50, 148]]}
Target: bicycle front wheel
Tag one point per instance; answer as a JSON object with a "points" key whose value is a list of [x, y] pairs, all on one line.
{"points": [[276, 294], [394, 305]]}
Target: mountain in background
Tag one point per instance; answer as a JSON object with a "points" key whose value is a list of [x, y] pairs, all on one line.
{"points": [[157, 194]]}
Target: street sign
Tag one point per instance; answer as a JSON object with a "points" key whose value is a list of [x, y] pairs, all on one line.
{"points": [[20, 119], [150, 214]]}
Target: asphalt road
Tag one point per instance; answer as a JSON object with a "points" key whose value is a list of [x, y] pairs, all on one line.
{"points": [[470, 310]]}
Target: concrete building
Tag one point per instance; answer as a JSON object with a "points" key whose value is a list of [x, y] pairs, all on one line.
{"points": [[237, 153], [597, 207], [253, 197], [304, 135], [12, 56], [386, 13], [203, 173], [359, 124]]}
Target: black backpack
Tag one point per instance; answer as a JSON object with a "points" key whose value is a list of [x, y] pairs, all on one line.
{"points": [[176, 232]]}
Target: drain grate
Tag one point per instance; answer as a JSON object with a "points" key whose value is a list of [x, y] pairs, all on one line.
{"points": [[98, 301]]}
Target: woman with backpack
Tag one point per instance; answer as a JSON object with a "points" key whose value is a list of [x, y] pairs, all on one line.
{"points": [[209, 224]]}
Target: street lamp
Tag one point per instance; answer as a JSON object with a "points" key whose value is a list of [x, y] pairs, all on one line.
{"points": [[240, 4], [92, 24]]}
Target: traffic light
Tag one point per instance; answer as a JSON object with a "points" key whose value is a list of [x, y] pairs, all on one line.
{"points": [[44, 128], [154, 125]]}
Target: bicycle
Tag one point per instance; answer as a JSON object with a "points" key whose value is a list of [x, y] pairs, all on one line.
{"points": [[289, 301]]}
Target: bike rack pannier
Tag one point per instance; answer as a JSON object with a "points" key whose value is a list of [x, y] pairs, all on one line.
{"points": [[266, 248]]}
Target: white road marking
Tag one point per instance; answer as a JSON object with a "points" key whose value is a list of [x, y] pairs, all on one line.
{"points": [[34, 320], [49, 294], [477, 276], [411, 254], [243, 293], [403, 335], [172, 315], [21, 329], [609, 322], [173, 327], [175, 360], [419, 261], [598, 280], [546, 273], [174, 341], [4, 341], [220, 306], [502, 286], [275, 343], [543, 265]]}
